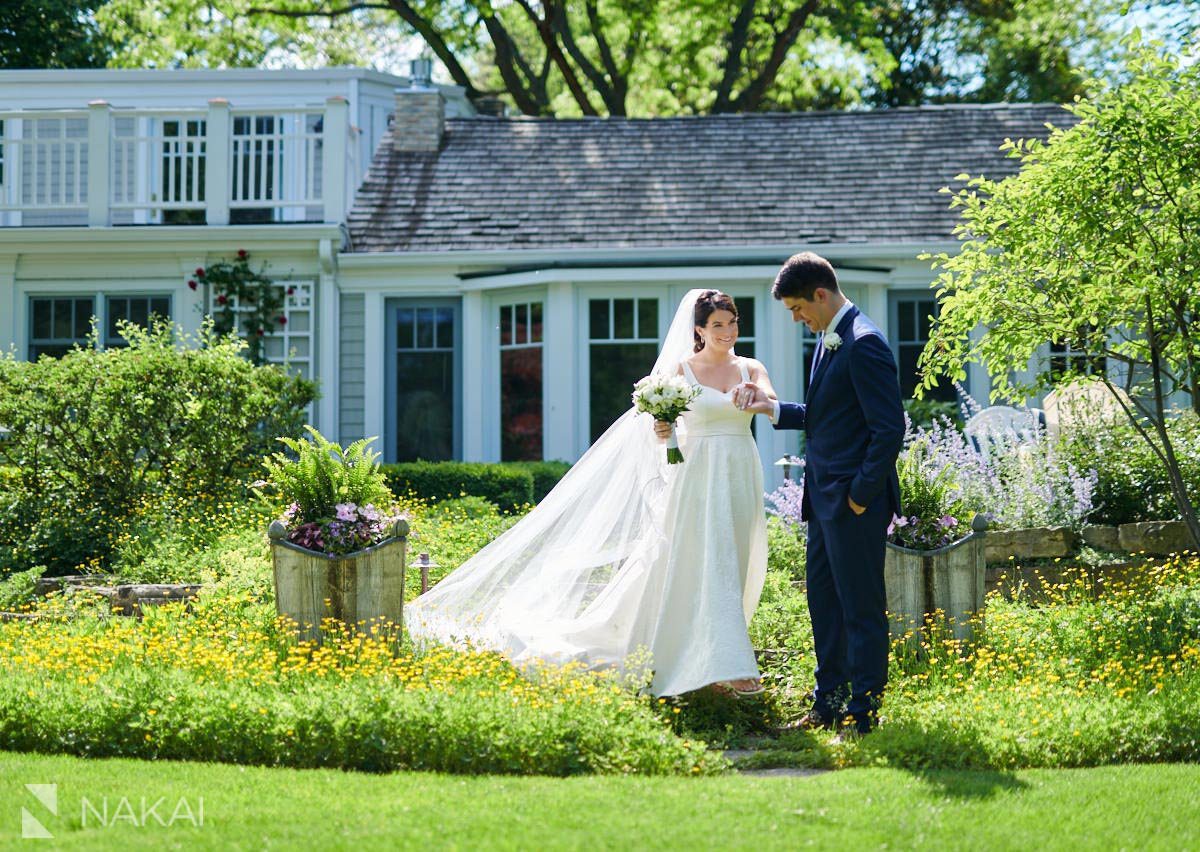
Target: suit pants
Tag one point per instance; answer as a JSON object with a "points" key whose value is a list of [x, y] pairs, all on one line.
{"points": [[848, 606]]}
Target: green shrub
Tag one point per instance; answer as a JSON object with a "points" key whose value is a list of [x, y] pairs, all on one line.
{"points": [[546, 475], [786, 549], [507, 487], [924, 412], [1132, 483], [16, 590], [468, 508], [223, 683], [97, 433], [323, 475]]}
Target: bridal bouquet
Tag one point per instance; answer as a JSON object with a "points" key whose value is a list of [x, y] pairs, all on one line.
{"points": [[665, 398]]}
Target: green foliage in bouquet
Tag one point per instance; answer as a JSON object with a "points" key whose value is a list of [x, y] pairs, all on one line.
{"points": [[323, 475]]}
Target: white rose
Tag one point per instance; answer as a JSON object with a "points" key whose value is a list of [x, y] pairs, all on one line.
{"points": [[832, 341]]}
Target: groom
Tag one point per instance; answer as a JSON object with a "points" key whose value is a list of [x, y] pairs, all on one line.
{"points": [[854, 428]]}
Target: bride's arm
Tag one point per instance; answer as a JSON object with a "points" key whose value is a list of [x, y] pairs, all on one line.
{"points": [[758, 375]]}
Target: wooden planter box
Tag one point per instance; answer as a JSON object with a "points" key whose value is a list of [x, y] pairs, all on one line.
{"points": [[949, 579], [364, 590]]}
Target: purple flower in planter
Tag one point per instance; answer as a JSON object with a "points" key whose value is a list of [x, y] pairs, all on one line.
{"points": [[347, 512], [368, 513], [948, 521], [291, 511]]}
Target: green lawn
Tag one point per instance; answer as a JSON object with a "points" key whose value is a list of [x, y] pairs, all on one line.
{"points": [[1133, 807]]}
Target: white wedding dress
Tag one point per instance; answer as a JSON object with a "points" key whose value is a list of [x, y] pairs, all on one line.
{"points": [[627, 554]]}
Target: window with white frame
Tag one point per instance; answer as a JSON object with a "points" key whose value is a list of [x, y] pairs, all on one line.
{"points": [[622, 347], [521, 381], [912, 317], [58, 323], [137, 309], [287, 343]]}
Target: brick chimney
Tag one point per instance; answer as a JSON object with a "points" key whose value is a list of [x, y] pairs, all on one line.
{"points": [[420, 112]]}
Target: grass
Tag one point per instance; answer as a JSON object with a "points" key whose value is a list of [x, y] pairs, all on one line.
{"points": [[1142, 807]]}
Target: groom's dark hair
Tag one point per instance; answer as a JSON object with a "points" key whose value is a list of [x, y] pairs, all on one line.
{"points": [[802, 274]]}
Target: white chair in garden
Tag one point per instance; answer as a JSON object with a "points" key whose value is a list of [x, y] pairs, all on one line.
{"points": [[1003, 424]]}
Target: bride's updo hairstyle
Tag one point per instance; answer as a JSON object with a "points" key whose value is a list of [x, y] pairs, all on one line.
{"points": [[706, 304]]}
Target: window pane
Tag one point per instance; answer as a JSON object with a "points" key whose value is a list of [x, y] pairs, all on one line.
{"points": [[521, 404], [614, 369], [506, 317], [647, 319], [623, 319], [745, 306], [908, 369], [83, 318], [42, 310], [522, 324], [424, 328], [64, 327], [138, 311], [118, 309], [404, 328], [598, 319], [445, 328], [535, 322], [424, 406], [161, 306], [927, 309], [908, 325]]}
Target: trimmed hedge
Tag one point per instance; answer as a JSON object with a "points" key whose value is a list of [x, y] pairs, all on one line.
{"points": [[546, 475], [507, 487]]}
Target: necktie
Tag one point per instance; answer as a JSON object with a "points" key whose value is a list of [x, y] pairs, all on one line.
{"points": [[812, 374]]}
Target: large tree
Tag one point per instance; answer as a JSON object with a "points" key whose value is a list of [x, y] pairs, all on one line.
{"points": [[1095, 244], [654, 57], [51, 34]]}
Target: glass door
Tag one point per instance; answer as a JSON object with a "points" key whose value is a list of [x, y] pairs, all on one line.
{"points": [[423, 414]]}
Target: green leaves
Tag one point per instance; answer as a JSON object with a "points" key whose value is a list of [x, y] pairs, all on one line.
{"points": [[320, 475], [97, 433]]}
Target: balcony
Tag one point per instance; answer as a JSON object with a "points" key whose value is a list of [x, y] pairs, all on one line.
{"points": [[214, 166]]}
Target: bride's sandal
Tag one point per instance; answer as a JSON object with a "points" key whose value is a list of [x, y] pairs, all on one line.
{"points": [[728, 687]]}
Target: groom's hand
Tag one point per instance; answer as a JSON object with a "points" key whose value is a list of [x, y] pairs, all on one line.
{"points": [[854, 507], [750, 397]]}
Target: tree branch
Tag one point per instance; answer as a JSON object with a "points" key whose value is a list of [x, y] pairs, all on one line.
{"points": [[507, 59], [546, 31], [562, 27], [752, 95], [736, 42]]}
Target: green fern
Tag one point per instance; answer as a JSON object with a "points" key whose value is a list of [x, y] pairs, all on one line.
{"points": [[322, 474]]}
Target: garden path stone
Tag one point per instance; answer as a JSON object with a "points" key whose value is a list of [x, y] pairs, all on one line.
{"points": [[739, 754]]}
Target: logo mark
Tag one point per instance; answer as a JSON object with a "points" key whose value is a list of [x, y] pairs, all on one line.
{"points": [[31, 826]]}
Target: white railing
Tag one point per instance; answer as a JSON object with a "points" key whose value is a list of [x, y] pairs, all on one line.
{"points": [[44, 162], [216, 166]]}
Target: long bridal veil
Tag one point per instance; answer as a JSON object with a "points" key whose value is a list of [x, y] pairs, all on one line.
{"points": [[573, 580]]}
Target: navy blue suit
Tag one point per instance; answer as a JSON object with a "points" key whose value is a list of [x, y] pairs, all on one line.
{"points": [[854, 429]]}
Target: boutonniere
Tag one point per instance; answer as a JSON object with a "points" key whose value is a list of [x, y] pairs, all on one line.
{"points": [[832, 341]]}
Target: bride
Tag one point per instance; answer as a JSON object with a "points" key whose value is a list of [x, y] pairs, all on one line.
{"points": [[629, 553]]}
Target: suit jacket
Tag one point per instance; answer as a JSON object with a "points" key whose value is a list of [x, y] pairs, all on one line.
{"points": [[853, 423]]}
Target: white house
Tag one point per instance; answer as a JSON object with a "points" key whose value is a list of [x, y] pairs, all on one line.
{"points": [[480, 288]]}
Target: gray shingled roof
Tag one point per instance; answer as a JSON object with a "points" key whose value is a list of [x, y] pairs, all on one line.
{"points": [[711, 180]]}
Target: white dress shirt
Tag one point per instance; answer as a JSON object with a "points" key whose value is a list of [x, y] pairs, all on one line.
{"points": [[833, 324]]}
